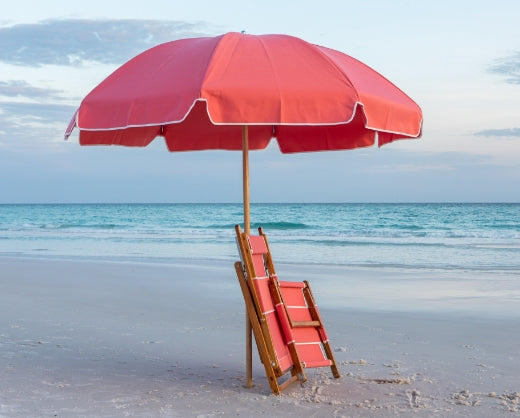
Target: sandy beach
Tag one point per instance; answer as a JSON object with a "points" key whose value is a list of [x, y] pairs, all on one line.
{"points": [[105, 339]]}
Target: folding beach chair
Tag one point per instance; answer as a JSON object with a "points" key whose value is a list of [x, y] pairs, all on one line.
{"points": [[278, 355], [290, 306]]}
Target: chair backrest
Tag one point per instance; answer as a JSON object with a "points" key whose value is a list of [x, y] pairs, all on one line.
{"points": [[259, 251]]}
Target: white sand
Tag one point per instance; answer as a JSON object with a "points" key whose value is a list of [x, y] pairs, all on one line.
{"points": [[83, 338]]}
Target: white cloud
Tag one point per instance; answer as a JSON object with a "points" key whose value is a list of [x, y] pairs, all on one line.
{"points": [[508, 67], [71, 42], [508, 133]]}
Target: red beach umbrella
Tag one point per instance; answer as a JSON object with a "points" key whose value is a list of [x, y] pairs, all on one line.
{"points": [[238, 91]]}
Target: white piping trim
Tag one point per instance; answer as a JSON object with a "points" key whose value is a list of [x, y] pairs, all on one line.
{"points": [[246, 123]]}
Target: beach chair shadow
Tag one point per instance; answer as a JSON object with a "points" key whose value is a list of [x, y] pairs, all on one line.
{"points": [[288, 329]]}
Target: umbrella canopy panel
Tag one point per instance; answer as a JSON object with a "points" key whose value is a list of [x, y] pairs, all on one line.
{"points": [[198, 92]]}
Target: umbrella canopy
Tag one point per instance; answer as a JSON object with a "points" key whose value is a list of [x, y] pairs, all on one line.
{"points": [[198, 92]]}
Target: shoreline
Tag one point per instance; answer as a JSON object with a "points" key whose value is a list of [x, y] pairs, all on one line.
{"points": [[80, 338], [478, 293]]}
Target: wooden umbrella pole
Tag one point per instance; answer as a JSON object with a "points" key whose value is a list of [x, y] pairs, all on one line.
{"points": [[247, 229], [245, 176]]}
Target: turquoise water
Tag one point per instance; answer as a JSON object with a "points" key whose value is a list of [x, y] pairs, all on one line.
{"points": [[426, 236]]}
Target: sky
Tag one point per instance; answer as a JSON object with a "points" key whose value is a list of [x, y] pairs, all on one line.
{"points": [[459, 60]]}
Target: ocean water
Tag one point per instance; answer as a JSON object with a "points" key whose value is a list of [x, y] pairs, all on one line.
{"points": [[482, 237]]}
